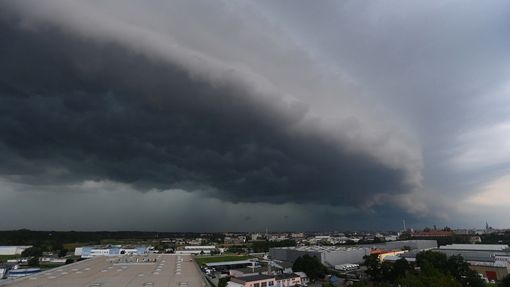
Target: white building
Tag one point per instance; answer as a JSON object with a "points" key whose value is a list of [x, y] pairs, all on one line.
{"points": [[196, 250], [476, 247], [89, 251], [13, 250]]}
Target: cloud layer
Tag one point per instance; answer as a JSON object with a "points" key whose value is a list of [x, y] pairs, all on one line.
{"points": [[354, 107], [98, 111]]}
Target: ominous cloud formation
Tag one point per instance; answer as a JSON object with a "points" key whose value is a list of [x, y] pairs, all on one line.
{"points": [[278, 107], [86, 110]]}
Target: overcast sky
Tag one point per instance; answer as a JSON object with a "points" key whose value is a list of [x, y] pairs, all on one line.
{"points": [[237, 115]]}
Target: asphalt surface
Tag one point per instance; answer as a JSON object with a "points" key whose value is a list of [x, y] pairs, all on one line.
{"points": [[126, 271]]}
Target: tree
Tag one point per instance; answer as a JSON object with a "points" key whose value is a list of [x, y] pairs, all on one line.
{"points": [[387, 272], [311, 265], [32, 252], [223, 281], [34, 261], [427, 260], [434, 263], [374, 268], [400, 268], [506, 281], [62, 252], [461, 271], [422, 280]]}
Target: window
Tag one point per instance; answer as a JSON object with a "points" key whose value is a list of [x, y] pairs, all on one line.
{"points": [[263, 284], [256, 285], [271, 283]]}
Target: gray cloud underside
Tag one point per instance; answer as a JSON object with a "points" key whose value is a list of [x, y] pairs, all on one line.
{"points": [[72, 109]]}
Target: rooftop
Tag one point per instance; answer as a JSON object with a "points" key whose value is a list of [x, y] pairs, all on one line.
{"points": [[161, 270], [482, 247], [225, 263], [252, 278], [286, 276], [321, 248]]}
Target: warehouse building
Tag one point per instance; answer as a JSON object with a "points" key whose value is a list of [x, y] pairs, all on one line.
{"points": [[89, 251], [334, 255], [496, 253], [329, 255], [196, 250], [490, 260], [13, 250], [405, 244]]}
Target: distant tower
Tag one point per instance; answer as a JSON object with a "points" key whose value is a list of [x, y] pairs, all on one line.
{"points": [[267, 234], [486, 225], [404, 221]]}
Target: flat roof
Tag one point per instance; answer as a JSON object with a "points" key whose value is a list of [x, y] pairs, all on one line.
{"points": [[482, 247], [123, 271], [321, 248], [286, 276], [225, 263], [252, 278]]}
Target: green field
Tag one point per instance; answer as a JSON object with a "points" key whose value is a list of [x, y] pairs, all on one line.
{"points": [[202, 260]]}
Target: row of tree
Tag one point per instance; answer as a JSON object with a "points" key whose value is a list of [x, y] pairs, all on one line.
{"points": [[311, 265], [30, 237], [430, 269]]}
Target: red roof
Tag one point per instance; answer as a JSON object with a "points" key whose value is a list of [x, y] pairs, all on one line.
{"points": [[381, 251]]}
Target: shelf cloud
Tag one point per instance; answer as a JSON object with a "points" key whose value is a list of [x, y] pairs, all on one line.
{"points": [[198, 97]]}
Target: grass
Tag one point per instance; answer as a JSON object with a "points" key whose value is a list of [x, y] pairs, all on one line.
{"points": [[202, 260]]}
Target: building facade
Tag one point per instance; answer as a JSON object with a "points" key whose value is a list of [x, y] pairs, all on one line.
{"points": [[252, 281], [13, 250]]}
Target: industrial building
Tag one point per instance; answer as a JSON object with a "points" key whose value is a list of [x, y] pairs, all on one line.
{"points": [[13, 250], [495, 253], [334, 255], [196, 250], [329, 255], [404, 244], [252, 281], [490, 260], [89, 251]]}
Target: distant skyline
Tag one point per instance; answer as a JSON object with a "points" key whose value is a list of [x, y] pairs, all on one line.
{"points": [[237, 115]]}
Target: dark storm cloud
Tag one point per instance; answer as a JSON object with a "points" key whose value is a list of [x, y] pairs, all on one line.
{"points": [[72, 109]]}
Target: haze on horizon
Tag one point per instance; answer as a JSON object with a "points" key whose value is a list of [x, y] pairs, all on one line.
{"points": [[237, 115]]}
